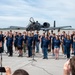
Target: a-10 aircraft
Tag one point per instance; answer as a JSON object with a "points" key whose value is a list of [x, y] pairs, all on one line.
{"points": [[45, 27], [35, 25]]}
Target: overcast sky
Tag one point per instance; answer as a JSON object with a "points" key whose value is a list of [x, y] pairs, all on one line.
{"points": [[18, 12]]}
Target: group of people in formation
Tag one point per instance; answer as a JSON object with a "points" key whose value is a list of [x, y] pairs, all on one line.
{"points": [[50, 42]]}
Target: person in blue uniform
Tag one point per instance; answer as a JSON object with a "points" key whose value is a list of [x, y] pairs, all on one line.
{"points": [[61, 38], [1, 49], [45, 47], [15, 41], [7, 35], [10, 45], [68, 45], [25, 36], [63, 43], [37, 41], [33, 44], [43, 36], [64, 47], [20, 43], [29, 44], [53, 37], [74, 43], [3, 37], [49, 46], [56, 46]]}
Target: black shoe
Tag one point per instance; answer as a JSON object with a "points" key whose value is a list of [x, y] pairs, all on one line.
{"points": [[43, 58], [21, 55], [6, 52], [46, 58], [72, 53], [10, 55], [37, 51], [18, 55]]}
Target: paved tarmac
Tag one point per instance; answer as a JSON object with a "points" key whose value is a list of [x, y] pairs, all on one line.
{"points": [[41, 66], [38, 67]]}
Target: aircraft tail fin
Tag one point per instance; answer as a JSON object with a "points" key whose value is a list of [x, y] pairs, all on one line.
{"points": [[54, 23]]}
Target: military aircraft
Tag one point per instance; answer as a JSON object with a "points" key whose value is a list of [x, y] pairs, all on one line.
{"points": [[45, 27]]}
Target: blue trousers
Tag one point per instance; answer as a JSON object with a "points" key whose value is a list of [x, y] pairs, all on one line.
{"points": [[3, 46], [29, 51], [68, 52], [10, 50], [74, 47], [37, 46], [65, 52], [45, 52]]}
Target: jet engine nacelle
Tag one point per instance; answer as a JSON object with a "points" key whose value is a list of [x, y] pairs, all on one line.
{"points": [[46, 25]]}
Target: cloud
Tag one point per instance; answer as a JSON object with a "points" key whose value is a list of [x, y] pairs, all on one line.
{"points": [[18, 12]]}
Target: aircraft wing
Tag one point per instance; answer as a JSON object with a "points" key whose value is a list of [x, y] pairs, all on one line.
{"points": [[53, 28], [61, 27]]}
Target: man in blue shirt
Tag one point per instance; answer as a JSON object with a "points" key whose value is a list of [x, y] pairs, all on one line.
{"points": [[15, 40], [25, 36], [7, 36], [20, 43], [45, 47], [10, 45], [2, 39], [37, 41], [63, 43], [43, 36], [29, 44]]}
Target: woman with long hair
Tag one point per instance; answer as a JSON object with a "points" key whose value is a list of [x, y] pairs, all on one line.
{"points": [[56, 46], [68, 46]]}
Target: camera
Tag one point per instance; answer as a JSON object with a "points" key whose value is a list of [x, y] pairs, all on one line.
{"points": [[2, 69]]}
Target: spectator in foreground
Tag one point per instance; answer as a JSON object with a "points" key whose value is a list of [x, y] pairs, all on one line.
{"points": [[6, 70], [69, 67], [20, 72]]}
